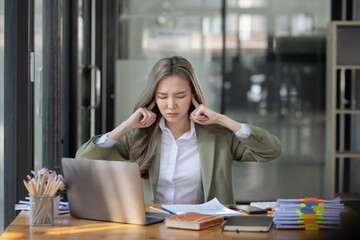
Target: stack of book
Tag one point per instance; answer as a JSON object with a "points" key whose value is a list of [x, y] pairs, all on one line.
{"points": [[308, 213]]}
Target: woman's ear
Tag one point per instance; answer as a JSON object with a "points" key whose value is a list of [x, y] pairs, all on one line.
{"points": [[194, 101]]}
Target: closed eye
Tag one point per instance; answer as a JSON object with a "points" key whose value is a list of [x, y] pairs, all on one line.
{"points": [[161, 95]]}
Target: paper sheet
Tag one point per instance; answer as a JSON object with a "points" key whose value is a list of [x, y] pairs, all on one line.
{"points": [[25, 205], [213, 207]]}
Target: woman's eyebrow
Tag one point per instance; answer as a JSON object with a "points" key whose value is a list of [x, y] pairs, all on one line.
{"points": [[181, 92], [178, 93]]}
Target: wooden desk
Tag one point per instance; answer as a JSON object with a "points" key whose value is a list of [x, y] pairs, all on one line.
{"points": [[67, 227]]}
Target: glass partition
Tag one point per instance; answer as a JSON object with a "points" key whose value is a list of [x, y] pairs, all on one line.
{"points": [[38, 84], [274, 76], [275, 53], [151, 30], [2, 32]]}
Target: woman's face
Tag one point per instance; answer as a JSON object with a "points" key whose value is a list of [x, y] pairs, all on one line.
{"points": [[173, 98]]}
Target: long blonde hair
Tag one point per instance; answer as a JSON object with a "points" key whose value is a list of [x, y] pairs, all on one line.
{"points": [[146, 140]]}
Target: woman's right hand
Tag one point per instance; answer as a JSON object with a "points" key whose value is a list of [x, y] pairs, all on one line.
{"points": [[143, 117]]}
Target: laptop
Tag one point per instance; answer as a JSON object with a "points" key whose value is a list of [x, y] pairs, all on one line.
{"points": [[106, 191]]}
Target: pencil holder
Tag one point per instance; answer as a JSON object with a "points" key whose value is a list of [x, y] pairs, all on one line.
{"points": [[56, 206], [41, 211]]}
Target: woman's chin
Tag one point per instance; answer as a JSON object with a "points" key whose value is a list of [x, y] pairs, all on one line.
{"points": [[171, 119], [176, 119]]}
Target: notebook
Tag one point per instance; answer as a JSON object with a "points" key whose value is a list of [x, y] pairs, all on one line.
{"points": [[248, 223], [107, 191], [195, 221]]}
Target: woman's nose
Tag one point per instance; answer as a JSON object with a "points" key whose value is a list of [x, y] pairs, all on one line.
{"points": [[171, 103]]}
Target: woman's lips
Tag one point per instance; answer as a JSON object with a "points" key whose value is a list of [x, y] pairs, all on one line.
{"points": [[172, 114]]}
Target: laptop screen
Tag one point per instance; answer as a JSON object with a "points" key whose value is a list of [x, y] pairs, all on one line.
{"points": [[104, 190]]}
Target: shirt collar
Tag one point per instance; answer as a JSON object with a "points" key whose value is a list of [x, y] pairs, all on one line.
{"points": [[186, 135]]}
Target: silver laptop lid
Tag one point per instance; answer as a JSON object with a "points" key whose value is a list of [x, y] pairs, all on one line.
{"points": [[104, 190]]}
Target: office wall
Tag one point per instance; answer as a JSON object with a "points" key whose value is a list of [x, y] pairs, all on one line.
{"points": [[1, 116]]}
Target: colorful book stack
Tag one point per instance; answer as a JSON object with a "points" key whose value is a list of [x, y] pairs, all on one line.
{"points": [[308, 213]]}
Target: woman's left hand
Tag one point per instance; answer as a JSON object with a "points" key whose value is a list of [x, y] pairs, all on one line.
{"points": [[203, 115]]}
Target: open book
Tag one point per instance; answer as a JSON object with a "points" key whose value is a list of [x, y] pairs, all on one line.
{"points": [[213, 207]]}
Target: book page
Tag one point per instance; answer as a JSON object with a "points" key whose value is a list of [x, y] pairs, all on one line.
{"points": [[213, 207]]}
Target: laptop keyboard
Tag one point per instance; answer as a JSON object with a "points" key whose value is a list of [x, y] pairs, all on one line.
{"points": [[153, 217], [157, 215], [150, 219]]}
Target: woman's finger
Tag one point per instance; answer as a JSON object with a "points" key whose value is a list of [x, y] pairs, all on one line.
{"points": [[152, 105], [150, 118], [153, 119], [200, 112], [193, 100], [146, 117], [201, 117]]}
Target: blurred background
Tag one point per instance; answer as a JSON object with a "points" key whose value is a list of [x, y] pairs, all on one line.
{"points": [[273, 76]]}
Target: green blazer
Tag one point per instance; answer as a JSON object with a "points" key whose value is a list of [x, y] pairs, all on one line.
{"points": [[217, 153]]}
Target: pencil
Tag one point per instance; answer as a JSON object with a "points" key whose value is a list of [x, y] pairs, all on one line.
{"points": [[158, 210]]}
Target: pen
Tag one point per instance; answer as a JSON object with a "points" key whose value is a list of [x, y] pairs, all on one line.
{"points": [[159, 210]]}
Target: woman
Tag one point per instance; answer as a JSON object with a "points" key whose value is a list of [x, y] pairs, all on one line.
{"points": [[184, 149]]}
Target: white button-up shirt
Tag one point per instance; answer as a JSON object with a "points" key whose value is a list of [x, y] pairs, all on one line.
{"points": [[180, 171]]}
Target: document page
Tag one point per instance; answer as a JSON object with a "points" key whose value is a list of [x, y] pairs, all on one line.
{"points": [[213, 207]]}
